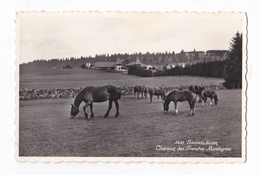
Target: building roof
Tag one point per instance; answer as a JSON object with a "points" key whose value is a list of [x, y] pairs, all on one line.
{"points": [[121, 62], [111, 64], [137, 62], [195, 52], [217, 51], [104, 64]]}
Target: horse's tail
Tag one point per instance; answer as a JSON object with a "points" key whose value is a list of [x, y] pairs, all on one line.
{"points": [[115, 92], [118, 93], [202, 95], [194, 98]]}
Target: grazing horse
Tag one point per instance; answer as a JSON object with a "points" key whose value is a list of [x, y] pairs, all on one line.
{"points": [[158, 92], [140, 89], [180, 96], [197, 90], [91, 94], [209, 94]]}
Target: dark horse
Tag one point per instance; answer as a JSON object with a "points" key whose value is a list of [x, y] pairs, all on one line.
{"points": [[158, 92], [180, 96], [209, 94], [140, 89], [197, 90], [91, 94]]}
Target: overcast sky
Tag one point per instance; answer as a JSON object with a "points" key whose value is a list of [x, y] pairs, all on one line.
{"points": [[56, 35]]}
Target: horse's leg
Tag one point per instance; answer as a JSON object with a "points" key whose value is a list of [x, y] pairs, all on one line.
{"points": [[215, 100], [193, 112], [176, 108], [138, 95], [91, 109], [162, 98], [199, 98], [117, 108], [84, 108], [151, 98], [190, 103], [109, 108], [210, 103], [192, 107], [205, 101]]}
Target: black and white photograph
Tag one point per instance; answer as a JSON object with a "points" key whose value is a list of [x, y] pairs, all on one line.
{"points": [[131, 86]]}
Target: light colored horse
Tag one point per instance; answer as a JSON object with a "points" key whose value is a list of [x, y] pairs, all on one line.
{"points": [[140, 89], [180, 96], [209, 94], [158, 92]]}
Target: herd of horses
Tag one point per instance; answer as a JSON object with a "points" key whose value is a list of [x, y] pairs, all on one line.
{"points": [[91, 94]]}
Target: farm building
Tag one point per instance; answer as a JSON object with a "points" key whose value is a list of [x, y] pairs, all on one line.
{"points": [[216, 55], [88, 65], [137, 62], [170, 66], [104, 65], [190, 56], [119, 65]]}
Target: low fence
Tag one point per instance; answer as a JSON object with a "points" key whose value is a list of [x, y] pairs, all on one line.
{"points": [[26, 94]]}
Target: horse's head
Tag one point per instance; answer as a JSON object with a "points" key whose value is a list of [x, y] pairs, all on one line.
{"points": [[163, 96], [74, 111], [165, 108]]}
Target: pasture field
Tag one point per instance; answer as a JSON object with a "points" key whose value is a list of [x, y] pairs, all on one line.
{"points": [[41, 78], [45, 128]]}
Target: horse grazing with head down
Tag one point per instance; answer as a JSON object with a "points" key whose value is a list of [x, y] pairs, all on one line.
{"points": [[180, 96], [209, 94], [158, 92], [91, 94], [197, 90], [140, 89]]}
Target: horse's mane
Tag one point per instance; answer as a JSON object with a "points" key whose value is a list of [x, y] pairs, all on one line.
{"points": [[170, 94]]}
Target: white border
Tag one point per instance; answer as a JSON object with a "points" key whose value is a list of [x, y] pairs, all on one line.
{"points": [[133, 159], [7, 36]]}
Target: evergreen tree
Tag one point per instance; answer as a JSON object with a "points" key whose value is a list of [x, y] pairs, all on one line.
{"points": [[233, 77]]}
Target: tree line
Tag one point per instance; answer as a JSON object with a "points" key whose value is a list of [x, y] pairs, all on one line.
{"points": [[146, 58], [205, 69], [229, 69]]}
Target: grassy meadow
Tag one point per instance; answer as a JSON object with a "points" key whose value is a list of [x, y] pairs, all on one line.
{"points": [[141, 128]]}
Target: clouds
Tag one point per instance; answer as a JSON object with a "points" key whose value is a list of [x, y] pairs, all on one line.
{"points": [[46, 36]]}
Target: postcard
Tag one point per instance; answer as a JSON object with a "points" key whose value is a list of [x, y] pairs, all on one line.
{"points": [[131, 87]]}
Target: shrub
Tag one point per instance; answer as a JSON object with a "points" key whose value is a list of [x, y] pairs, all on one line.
{"points": [[67, 67]]}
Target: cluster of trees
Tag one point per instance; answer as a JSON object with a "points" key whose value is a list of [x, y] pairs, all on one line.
{"points": [[206, 69], [140, 71], [159, 58], [233, 75], [229, 69]]}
